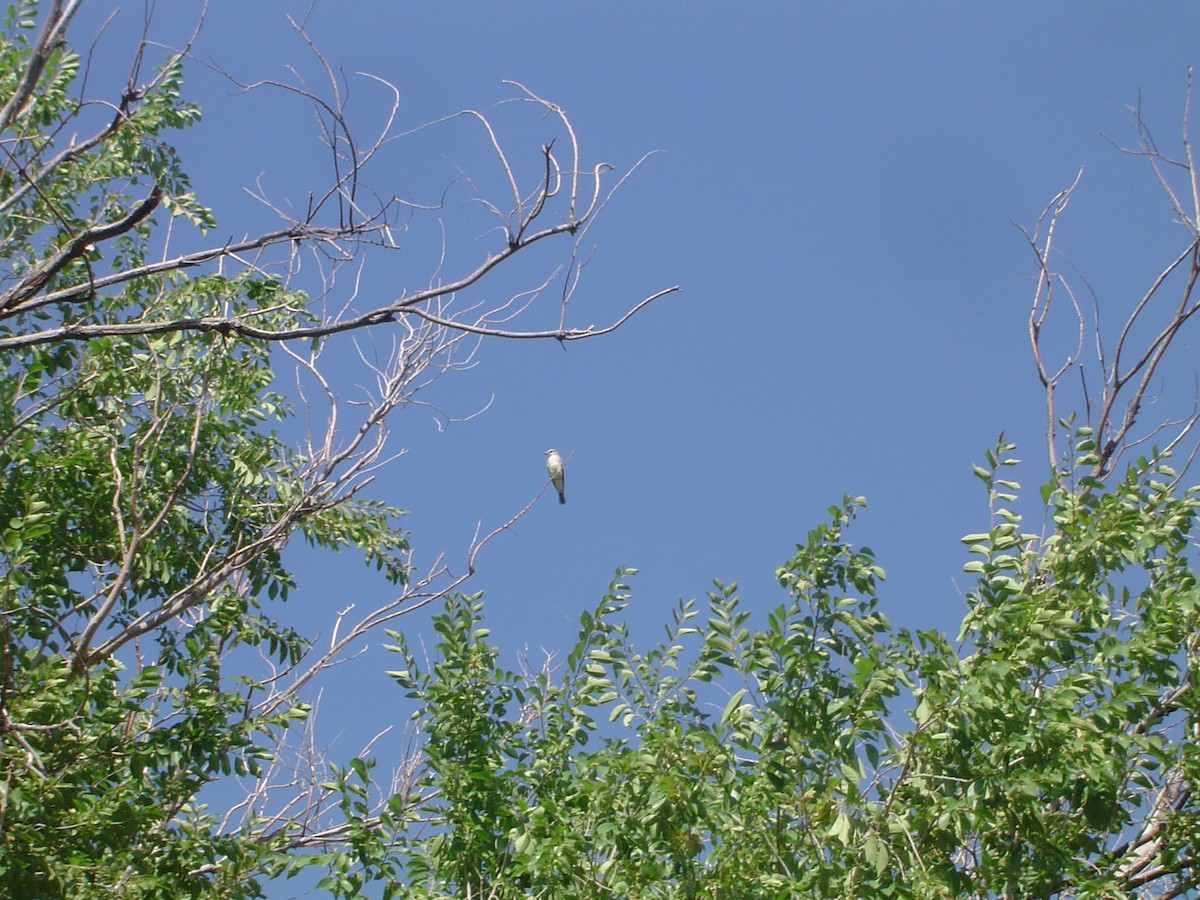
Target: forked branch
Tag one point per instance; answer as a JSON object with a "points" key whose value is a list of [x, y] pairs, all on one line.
{"points": [[1117, 382]]}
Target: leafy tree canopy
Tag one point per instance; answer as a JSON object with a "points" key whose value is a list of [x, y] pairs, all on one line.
{"points": [[1048, 749]]}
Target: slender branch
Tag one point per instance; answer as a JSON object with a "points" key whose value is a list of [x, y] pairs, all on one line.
{"points": [[239, 325], [571, 334], [1040, 309], [49, 38]]}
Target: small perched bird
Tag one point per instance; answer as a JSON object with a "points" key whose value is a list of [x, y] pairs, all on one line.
{"points": [[555, 467]]}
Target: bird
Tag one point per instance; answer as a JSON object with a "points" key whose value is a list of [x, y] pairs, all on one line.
{"points": [[554, 466]]}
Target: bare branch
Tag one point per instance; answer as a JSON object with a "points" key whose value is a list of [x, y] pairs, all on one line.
{"points": [[1043, 249], [1125, 375]]}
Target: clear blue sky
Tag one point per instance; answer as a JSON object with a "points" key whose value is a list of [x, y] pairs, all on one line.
{"points": [[837, 197]]}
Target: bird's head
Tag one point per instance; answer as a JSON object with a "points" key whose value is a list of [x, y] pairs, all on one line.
{"points": [[551, 450]]}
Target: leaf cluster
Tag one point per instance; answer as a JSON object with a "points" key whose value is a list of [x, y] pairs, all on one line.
{"points": [[825, 753]]}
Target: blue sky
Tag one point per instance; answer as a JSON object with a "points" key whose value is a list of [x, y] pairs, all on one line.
{"points": [[838, 195]]}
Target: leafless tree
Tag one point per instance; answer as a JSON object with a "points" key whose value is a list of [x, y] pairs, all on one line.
{"points": [[1117, 377]]}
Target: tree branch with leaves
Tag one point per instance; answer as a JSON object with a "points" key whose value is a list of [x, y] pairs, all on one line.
{"points": [[147, 495]]}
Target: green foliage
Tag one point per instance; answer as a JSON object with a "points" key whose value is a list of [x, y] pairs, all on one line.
{"points": [[1054, 732], [805, 749], [145, 498], [693, 787], [824, 753]]}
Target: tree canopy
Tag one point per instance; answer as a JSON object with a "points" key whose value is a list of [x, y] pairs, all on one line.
{"points": [[149, 491]]}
